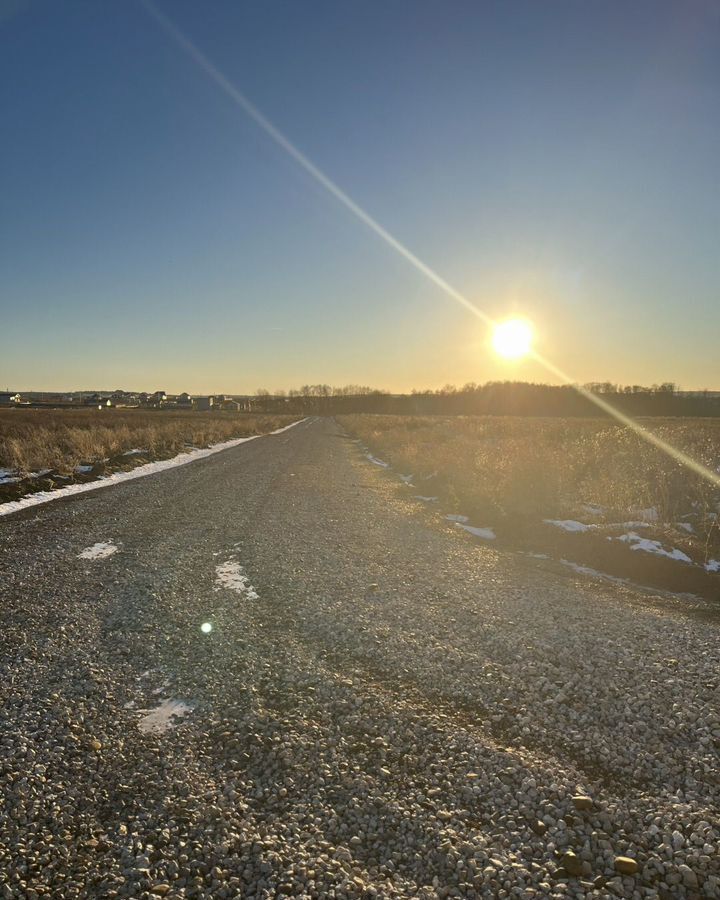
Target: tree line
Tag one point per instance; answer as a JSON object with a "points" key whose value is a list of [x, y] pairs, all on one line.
{"points": [[497, 398]]}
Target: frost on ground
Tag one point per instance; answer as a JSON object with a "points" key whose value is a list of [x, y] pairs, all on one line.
{"points": [[641, 543], [650, 514], [593, 509], [593, 573], [163, 687], [161, 718], [486, 534], [232, 575], [569, 524], [101, 550]]}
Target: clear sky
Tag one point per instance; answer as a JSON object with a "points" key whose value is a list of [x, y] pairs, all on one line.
{"points": [[558, 159]]}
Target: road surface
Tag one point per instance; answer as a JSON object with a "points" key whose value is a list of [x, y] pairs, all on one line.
{"points": [[382, 705]]}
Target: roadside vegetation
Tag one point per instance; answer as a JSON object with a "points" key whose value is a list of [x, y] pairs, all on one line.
{"points": [[512, 468], [36, 440]]}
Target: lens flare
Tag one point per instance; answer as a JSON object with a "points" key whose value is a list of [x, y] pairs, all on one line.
{"points": [[206, 627], [512, 339]]}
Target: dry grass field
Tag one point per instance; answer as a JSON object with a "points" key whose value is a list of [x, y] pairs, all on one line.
{"points": [[533, 468], [33, 440]]}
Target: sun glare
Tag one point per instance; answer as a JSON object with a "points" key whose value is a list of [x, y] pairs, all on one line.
{"points": [[512, 339]]}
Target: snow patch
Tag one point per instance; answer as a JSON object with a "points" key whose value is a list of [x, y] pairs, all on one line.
{"points": [[101, 550], [161, 718], [487, 534], [407, 479], [648, 515], [712, 565], [686, 526], [135, 451], [83, 470], [378, 462], [425, 499], [648, 546], [594, 573], [628, 525], [232, 575], [152, 468], [454, 517], [569, 524]]}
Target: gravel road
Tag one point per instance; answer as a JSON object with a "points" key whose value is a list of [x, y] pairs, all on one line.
{"points": [[381, 707]]}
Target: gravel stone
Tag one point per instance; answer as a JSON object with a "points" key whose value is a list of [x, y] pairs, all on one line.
{"points": [[391, 711]]}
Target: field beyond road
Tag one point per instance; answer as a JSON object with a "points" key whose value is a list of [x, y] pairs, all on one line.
{"points": [[268, 673], [42, 449], [589, 474], [523, 466]]}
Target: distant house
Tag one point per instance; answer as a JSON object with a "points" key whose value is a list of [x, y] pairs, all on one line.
{"points": [[97, 400], [231, 405], [123, 398], [184, 399], [203, 403], [158, 397], [8, 399]]}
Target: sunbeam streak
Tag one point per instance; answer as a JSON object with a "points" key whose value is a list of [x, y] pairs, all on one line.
{"points": [[267, 126], [680, 457], [282, 141]]}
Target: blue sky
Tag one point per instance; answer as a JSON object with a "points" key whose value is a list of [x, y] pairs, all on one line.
{"points": [[556, 160]]}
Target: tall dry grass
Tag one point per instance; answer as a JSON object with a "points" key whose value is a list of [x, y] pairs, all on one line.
{"points": [[36, 439], [527, 467]]}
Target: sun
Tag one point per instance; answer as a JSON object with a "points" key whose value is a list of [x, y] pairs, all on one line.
{"points": [[512, 339]]}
